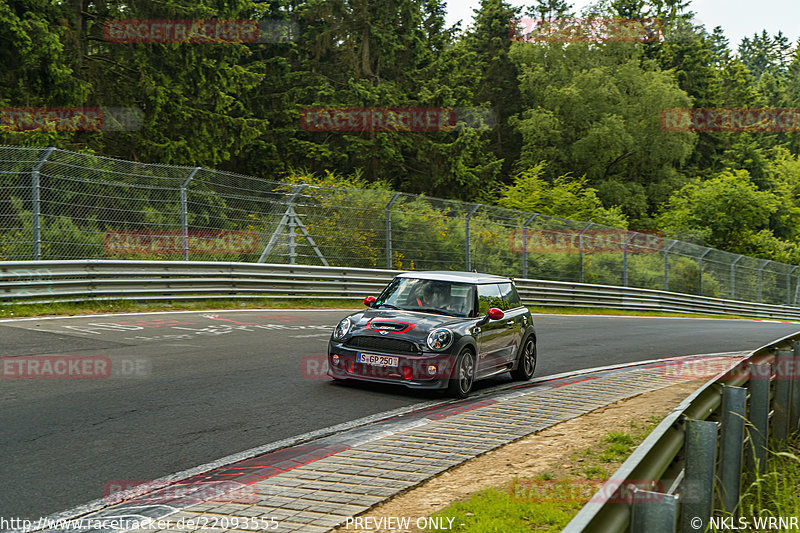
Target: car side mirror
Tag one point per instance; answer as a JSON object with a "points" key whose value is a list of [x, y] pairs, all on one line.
{"points": [[493, 314], [496, 314], [369, 301]]}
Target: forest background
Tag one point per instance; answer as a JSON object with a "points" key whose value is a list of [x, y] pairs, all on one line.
{"points": [[576, 129]]}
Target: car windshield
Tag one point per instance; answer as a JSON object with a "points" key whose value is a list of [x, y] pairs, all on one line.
{"points": [[432, 296]]}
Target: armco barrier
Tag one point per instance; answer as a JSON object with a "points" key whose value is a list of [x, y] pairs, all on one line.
{"points": [[74, 281], [85, 280], [694, 459]]}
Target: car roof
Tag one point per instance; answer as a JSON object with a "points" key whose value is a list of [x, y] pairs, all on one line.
{"points": [[458, 277]]}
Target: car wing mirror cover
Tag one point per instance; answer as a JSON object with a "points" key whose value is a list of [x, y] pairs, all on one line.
{"points": [[495, 313], [369, 301]]}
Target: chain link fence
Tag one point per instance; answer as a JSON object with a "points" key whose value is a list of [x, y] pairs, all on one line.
{"points": [[56, 204]]}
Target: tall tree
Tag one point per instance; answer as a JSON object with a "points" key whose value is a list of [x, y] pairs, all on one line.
{"points": [[381, 54], [595, 111], [550, 9], [629, 9], [495, 79], [39, 67], [765, 54], [746, 227]]}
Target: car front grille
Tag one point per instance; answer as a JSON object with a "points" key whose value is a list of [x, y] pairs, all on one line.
{"points": [[383, 344]]}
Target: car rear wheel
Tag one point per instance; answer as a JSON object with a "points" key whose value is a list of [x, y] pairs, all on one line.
{"points": [[526, 365], [463, 376]]}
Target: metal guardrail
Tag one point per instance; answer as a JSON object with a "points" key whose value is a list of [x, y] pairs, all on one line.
{"points": [[565, 294], [689, 468], [85, 280]]}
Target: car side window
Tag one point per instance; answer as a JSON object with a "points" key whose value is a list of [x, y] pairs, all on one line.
{"points": [[510, 296], [462, 299], [489, 296]]}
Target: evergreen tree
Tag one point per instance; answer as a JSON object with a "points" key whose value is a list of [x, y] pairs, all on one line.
{"points": [[494, 80]]}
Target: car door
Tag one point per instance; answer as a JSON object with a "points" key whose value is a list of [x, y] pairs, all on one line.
{"points": [[493, 336], [514, 327]]}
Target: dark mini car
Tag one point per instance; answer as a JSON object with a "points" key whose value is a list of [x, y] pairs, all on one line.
{"points": [[436, 330]]}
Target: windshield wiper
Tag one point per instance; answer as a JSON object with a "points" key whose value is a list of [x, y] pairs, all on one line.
{"points": [[390, 306], [434, 310]]}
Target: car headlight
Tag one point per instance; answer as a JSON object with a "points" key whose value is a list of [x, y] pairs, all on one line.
{"points": [[342, 328], [440, 339]]}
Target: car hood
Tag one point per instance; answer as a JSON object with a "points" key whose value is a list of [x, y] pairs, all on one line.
{"points": [[399, 321]]}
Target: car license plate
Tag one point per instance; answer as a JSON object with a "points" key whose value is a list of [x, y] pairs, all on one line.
{"points": [[376, 360]]}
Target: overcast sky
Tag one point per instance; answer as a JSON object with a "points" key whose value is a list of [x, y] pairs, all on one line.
{"points": [[739, 18]]}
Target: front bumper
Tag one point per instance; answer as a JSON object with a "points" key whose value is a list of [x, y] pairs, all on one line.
{"points": [[413, 371]]}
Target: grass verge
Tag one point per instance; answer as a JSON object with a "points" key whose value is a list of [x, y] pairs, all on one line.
{"points": [[129, 306], [774, 493], [547, 502], [621, 312]]}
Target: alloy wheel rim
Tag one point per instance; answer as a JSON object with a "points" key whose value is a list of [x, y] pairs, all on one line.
{"points": [[529, 357], [466, 372]]}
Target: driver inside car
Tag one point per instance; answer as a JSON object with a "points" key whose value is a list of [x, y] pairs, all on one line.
{"points": [[425, 297], [431, 297]]}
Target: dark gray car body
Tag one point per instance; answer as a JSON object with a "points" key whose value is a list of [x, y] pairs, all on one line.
{"points": [[403, 333]]}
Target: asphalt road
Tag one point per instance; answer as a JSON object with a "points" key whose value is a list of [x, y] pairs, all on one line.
{"points": [[188, 388]]}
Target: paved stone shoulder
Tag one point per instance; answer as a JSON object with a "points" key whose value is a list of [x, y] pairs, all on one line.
{"points": [[318, 485]]}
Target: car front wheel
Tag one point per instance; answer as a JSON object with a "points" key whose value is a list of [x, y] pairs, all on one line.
{"points": [[526, 365], [463, 376]]}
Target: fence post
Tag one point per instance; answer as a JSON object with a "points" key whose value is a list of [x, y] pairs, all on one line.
{"points": [[36, 205], [185, 213], [794, 409], [525, 245], [783, 395], [733, 276], [653, 511], [760, 270], [468, 259], [733, 413], [580, 249], [759, 413], [666, 265], [625, 259], [697, 493], [389, 230], [789, 286], [291, 239], [700, 272], [797, 291]]}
